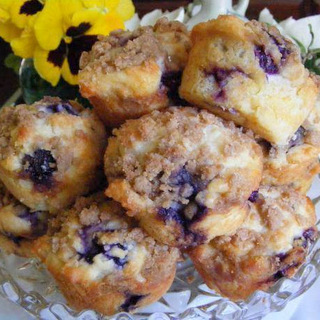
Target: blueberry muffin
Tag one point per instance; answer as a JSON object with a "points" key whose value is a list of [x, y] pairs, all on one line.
{"points": [[297, 163], [18, 225], [272, 243], [102, 261], [128, 74], [249, 73], [183, 173], [50, 152]]}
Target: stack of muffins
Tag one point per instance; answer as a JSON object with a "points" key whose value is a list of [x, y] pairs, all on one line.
{"points": [[215, 142]]}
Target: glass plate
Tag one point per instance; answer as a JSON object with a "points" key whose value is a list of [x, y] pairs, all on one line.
{"points": [[26, 283]]}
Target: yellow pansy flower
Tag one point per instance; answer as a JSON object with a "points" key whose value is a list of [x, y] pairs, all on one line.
{"points": [[22, 11], [24, 45], [64, 29], [16, 25], [8, 30]]}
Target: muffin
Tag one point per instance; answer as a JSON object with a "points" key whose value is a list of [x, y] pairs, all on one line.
{"points": [[18, 225], [50, 152], [272, 243], [183, 173], [248, 73], [297, 163], [102, 261], [128, 74]]}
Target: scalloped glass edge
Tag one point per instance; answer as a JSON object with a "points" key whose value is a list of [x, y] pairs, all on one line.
{"points": [[28, 285]]}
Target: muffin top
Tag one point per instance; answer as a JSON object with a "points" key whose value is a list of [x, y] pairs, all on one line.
{"points": [[278, 218], [41, 142], [97, 240], [169, 158], [168, 43]]}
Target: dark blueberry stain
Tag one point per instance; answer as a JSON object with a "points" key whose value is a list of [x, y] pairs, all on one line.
{"points": [[120, 262], [75, 49], [91, 251], [189, 185], [182, 177], [40, 167], [284, 271], [15, 239], [91, 246], [79, 30], [308, 237], [38, 221], [221, 77], [281, 256], [176, 213], [89, 242], [310, 234], [172, 81], [254, 196], [265, 61], [265, 144], [57, 56], [281, 47], [60, 107], [31, 7], [131, 302], [298, 138]]}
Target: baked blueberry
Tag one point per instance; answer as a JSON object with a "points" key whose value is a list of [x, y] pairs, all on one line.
{"points": [[50, 152], [19, 226], [183, 173], [101, 260], [296, 163], [272, 243], [249, 73]]}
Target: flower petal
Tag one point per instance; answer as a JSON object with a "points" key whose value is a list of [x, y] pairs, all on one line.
{"points": [[67, 75], [68, 8], [108, 4], [4, 15], [111, 21], [100, 23], [46, 69], [24, 45], [75, 49], [48, 25], [125, 9], [23, 10], [9, 31], [6, 4]]}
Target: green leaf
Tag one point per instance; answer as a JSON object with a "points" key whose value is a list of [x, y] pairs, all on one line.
{"points": [[13, 62]]}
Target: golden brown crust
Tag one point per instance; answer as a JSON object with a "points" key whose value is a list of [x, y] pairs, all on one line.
{"points": [[125, 74], [183, 173], [250, 74], [68, 140], [121, 50], [272, 243], [137, 272], [298, 162], [18, 225]]}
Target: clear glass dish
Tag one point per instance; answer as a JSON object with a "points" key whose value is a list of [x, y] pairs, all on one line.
{"points": [[26, 283]]}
